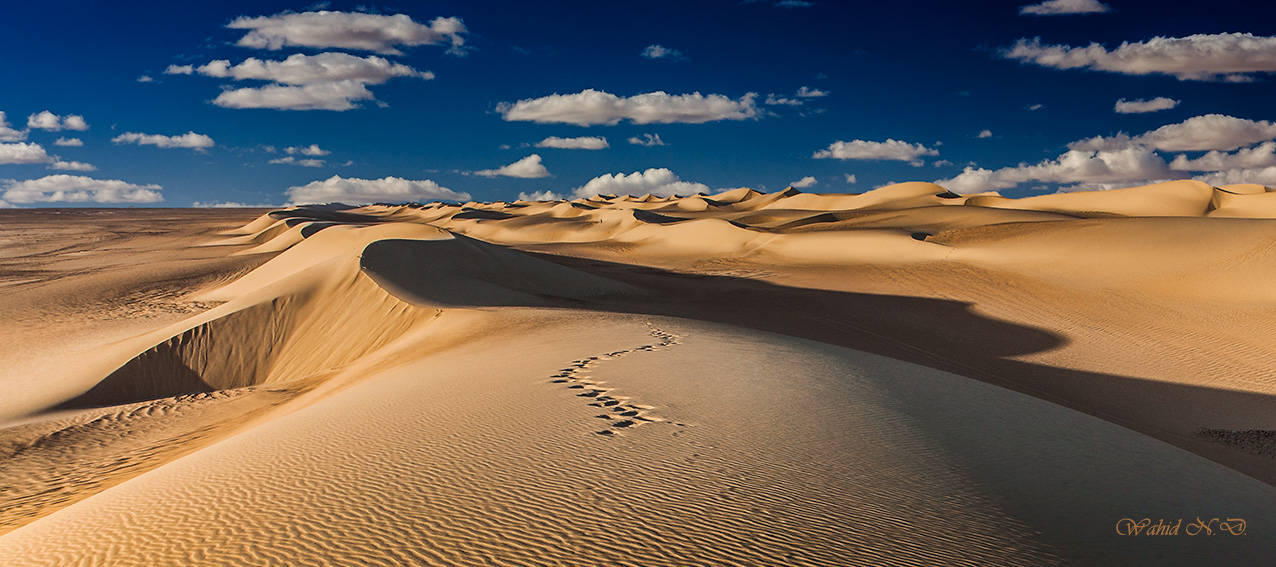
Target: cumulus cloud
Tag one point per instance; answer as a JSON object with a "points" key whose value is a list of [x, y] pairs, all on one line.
{"points": [[581, 143], [311, 150], [289, 160], [1260, 156], [804, 182], [1133, 164], [661, 52], [654, 181], [590, 107], [808, 92], [348, 30], [891, 149], [23, 152], [301, 69], [1140, 106], [356, 191], [1199, 133], [7, 133], [179, 70], [540, 196], [1262, 176], [984, 134], [1062, 7], [529, 167], [71, 142], [1202, 57], [46, 120], [71, 166], [648, 140], [337, 96], [187, 140], [78, 189]]}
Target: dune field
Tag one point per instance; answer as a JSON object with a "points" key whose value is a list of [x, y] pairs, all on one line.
{"points": [[902, 377]]}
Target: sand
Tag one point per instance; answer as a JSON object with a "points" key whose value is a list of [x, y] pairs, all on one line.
{"points": [[903, 377]]}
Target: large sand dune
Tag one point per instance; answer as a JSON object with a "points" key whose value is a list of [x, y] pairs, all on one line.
{"points": [[906, 376]]}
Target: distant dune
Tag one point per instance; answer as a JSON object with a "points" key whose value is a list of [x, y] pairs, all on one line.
{"points": [[902, 377]]}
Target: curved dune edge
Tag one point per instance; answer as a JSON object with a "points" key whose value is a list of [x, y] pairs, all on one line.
{"points": [[353, 297]]}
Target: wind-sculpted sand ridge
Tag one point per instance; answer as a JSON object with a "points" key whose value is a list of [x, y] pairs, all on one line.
{"points": [[784, 378]]}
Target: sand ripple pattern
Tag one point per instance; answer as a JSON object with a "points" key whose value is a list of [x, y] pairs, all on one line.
{"points": [[621, 413]]}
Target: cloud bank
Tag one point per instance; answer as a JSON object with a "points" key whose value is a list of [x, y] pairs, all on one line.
{"points": [[1064, 7], [356, 191], [78, 189], [1232, 57]]}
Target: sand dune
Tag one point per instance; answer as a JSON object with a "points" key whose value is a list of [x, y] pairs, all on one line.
{"points": [[906, 376]]}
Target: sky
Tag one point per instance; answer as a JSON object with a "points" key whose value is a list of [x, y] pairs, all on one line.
{"points": [[269, 103]]}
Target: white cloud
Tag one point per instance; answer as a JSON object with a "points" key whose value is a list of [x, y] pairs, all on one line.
{"points": [[1134, 164], [850, 178], [1140, 106], [1262, 176], [311, 150], [8, 134], [581, 143], [590, 107], [71, 166], [78, 189], [661, 52], [146, 79], [1201, 57], [1199, 133], [540, 196], [347, 30], [807, 92], [6, 205], [804, 182], [1061, 7], [1260, 156], [70, 142], [23, 152], [655, 181], [227, 205], [1034, 107], [322, 96], [362, 191], [289, 160], [187, 140], [46, 120], [891, 149], [774, 100], [984, 134], [300, 69], [179, 70], [529, 167], [648, 140]]}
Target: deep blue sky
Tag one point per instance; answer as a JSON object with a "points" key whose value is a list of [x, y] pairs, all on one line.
{"points": [[926, 73]]}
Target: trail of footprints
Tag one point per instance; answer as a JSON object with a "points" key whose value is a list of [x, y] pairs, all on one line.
{"points": [[617, 410]]}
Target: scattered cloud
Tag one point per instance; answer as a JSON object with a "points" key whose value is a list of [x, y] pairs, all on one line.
{"points": [[356, 191], [798, 98], [581, 143], [227, 205], [984, 134], [301, 69], [23, 152], [1064, 7], [803, 183], [941, 163], [348, 30], [1262, 155], [1140, 106], [71, 166], [1133, 164], [894, 150], [187, 140], [850, 178], [794, 4], [46, 120], [1233, 57], [179, 70], [648, 140], [590, 107], [146, 79], [540, 196], [529, 167], [661, 52], [69, 142], [78, 189], [289, 160], [1199, 133], [7, 133], [311, 150], [773, 100], [808, 92], [336, 96], [654, 181], [1035, 107]]}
